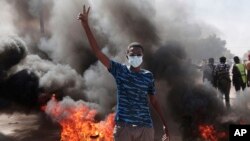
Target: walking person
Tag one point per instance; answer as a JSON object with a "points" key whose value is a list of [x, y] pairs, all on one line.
{"points": [[223, 80], [239, 76], [209, 72]]}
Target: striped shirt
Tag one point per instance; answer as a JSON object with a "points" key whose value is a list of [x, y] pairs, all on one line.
{"points": [[133, 89]]}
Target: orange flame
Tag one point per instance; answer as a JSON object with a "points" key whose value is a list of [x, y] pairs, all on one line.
{"points": [[78, 123], [209, 133]]}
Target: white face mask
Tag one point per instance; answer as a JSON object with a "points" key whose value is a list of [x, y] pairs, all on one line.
{"points": [[135, 61]]}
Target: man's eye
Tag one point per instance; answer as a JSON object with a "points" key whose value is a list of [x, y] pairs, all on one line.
{"points": [[135, 55]]}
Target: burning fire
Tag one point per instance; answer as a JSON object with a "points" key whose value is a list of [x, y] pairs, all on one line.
{"points": [[209, 133], [78, 122]]}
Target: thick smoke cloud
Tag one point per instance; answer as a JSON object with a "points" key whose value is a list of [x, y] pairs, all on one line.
{"points": [[105, 90], [31, 76], [24, 22], [12, 51], [65, 43], [25, 84], [54, 78]]}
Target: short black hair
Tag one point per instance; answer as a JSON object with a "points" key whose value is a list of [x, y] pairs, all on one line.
{"points": [[135, 44], [223, 59], [236, 59], [211, 60]]}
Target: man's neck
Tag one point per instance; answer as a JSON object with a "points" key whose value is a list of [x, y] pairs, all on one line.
{"points": [[137, 69]]}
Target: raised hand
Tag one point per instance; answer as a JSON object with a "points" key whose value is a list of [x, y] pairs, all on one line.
{"points": [[83, 17]]}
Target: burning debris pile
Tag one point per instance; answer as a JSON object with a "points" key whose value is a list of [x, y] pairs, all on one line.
{"points": [[78, 121], [208, 132]]}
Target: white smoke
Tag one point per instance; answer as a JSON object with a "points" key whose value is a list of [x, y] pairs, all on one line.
{"points": [[67, 44], [54, 78], [7, 26], [96, 88], [64, 108]]}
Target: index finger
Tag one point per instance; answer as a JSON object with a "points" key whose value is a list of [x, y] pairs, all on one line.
{"points": [[83, 9]]}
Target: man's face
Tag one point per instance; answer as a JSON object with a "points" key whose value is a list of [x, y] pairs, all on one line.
{"points": [[134, 51], [211, 61], [134, 56]]}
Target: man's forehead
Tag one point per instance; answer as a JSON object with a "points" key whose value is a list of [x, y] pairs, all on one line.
{"points": [[134, 49], [135, 45]]}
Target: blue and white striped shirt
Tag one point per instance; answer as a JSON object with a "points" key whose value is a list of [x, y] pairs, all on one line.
{"points": [[132, 94]]}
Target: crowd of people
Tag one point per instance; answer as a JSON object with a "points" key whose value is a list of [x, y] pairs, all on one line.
{"points": [[219, 76]]}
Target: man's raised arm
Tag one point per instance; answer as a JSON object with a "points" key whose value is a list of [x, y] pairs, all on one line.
{"points": [[83, 17]]}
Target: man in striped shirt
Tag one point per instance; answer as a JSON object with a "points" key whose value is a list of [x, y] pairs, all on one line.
{"points": [[134, 87]]}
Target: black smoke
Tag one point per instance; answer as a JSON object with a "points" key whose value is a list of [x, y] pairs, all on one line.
{"points": [[12, 51], [23, 88]]}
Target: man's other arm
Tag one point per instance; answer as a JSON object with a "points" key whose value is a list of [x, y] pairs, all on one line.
{"points": [[157, 108]]}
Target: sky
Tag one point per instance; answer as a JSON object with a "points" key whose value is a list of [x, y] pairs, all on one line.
{"points": [[230, 17]]}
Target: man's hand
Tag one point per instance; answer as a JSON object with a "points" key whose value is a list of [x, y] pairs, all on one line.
{"points": [[166, 136], [83, 17]]}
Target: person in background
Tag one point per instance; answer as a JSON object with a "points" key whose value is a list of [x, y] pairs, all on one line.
{"points": [[239, 75], [222, 79], [209, 72], [248, 70]]}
